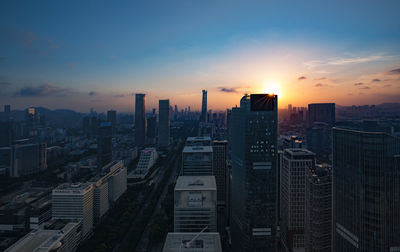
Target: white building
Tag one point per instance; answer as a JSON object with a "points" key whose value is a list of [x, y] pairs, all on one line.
{"points": [[148, 157], [195, 204], [65, 239], [192, 242], [293, 175], [198, 141], [74, 201], [197, 160]]}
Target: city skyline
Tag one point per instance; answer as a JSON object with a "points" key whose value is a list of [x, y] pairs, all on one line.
{"points": [[99, 55]]}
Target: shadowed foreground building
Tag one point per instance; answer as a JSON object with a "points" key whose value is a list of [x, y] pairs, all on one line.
{"points": [[163, 123], [254, 173], [140, 120], [366, 191]]}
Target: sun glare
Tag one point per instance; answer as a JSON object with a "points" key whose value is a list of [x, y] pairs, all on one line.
{"points": [[272, 88]]}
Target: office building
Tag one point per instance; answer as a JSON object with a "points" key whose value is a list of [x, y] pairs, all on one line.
{"points": [[293, 173], [112, 117], [203, 115], [163, 123], [74, 202], [140, 119], [318, 214], [27, 159], [366, 175], [254, 137], [104, 144], [192, 242], [319, 139], [148, 157], [61, 238], [151, 131], [322, 112], [195, 203], [197, 160], [198, 141]]}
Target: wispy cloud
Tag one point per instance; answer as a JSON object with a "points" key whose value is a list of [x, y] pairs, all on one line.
{"points": [[319, 85], [92, 93], [341, 61], [227, 89], [302, 78], [46, 89], [394, 71], [387, 85], [366, 87], [376, 80], [119, 96], [358, 84]]}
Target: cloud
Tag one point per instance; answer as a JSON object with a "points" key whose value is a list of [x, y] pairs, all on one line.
{"points": [[92, 93], [302, 78], [366, 87], [387, 85], [394, 71], [227, 90], [342, 61], [46, 89], [319, 85], [29, 38], [322, 78], [119, 95], [376, 80], [358, 84]]}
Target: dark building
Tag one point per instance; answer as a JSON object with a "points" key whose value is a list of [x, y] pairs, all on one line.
{"points": [[104, 145], [203, 115], [27, 159], [140, 120], [94, 124], [366, 175], [254, 173], [5, 133], [221, 174], [319, 139], [318, 214], [321, 112], [112, 117], [163, 123], [86, 125], [151, 131]]}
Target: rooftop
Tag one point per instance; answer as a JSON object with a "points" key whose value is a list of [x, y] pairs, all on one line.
{"points": [[73, 188], [193, 149], [205, 138], [204, 242], [299, 151], [195, 183]]}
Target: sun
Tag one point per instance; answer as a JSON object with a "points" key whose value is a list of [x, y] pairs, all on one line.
{"points": [[272, 88]]}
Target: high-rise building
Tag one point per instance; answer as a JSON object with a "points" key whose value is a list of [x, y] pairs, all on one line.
{"points": [[203, 116], [27, 159], [192, 242], [112, 117], [220, 171], [197, 160], [198, 141], [321, 112], [366, 175], [74, 202], [140, 120], [319, 139], [104, 144], [151, 131], [293, 174], [195, 203], [163, 123], [318, 214], [254, 173]]}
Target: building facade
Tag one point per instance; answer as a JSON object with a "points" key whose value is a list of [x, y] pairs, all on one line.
{"points": [[27, 159], [197, 160], [322, 112], [203, 115], [254, 127], [104, 144], [163, 123], [140, 119]]}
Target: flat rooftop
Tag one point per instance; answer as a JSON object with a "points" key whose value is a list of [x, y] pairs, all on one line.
{"points": [[195, 139], [73, 188], [195, 183], [195, 149], [205, 242], [299, 151]]}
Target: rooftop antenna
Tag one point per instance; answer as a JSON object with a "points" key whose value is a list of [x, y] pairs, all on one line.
{"points": [[187, 244]]}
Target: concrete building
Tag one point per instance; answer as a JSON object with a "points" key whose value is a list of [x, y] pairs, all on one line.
{"points": [[318, 214], [197, 160], [195, 204], [198, 141], [104, 144], [148, 157], [27, 159], [366, 175], [72, 202], [293, 174], [192, 242], [163, 123], [64, 239], [140, 119], [254, 127]]}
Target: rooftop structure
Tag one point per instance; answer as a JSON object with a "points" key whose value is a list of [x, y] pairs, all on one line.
{"points": [[192, 242]]}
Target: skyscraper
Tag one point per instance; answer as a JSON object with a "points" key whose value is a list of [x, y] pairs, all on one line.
{"points": [[293, 174], [112, 117], [163, 123], [203, 116], [254, 173], [197, 161], [140, 120], [27, 159], [321, 112], [366, 175], [104, 144]]}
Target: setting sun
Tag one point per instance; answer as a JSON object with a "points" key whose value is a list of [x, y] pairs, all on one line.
{"points": [[272, 88]]}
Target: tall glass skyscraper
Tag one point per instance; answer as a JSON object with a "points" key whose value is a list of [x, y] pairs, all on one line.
{"points": [[140, 120], [203, 116], [254, 128], [163, 123], [366, 191]]}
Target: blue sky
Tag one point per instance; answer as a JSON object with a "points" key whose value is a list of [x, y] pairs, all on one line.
{"points": [[83, 54]]}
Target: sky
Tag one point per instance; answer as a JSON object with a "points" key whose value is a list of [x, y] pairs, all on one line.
{"points": [[98, 54]]}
